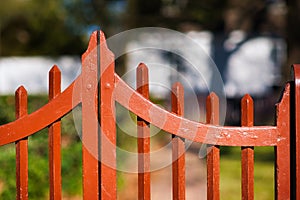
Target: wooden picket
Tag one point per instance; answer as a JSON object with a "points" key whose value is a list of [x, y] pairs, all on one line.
{"points": [[21, 148], [213, 151], [144, 183], [247, 152], [178, 146], [55, 138]]}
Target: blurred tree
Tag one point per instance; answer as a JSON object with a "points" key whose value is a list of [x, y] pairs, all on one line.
{"points": [[293, 32], [252, 16], [36, 27], [174, 13], [60, 26], [55, 27]]}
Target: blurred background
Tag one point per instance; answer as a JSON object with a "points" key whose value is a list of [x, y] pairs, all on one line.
{"points": [[252, 42]]}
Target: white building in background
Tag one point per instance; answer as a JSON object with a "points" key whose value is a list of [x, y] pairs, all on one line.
{"points": [[253, 64], [255, 67], [32, 72], [171, 61]]}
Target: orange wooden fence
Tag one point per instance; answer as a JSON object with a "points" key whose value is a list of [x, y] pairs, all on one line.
{"points": [[98, 127]]}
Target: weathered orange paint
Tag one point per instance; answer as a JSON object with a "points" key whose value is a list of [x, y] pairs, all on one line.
{"points": [[43, 117], [106, 104], [282, 150], [90, 140], [213, 151], [178, 146], [21, 148], [55, 138], [99, 87], [195, 131], [247, 152], [296, 70], [143, 132]]}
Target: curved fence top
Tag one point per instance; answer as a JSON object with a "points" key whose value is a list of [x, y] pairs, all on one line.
{"points": [[142, 107]]}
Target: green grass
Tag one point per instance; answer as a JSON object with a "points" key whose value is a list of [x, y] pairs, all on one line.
{"points": [[38, 167], [230, 179]]}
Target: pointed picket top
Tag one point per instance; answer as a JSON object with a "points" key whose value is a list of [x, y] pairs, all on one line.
{"points": [[91, 46], [283, 103], [212, 109], [107, 58], [21, 102], [54, 82], [142, 80], [103, 41], [213, 97], [142, 66], [177, 98], [97, 51], [21, 93], [247, 110], [55, 69], [143, 69], [247, 100], [96, 38]]}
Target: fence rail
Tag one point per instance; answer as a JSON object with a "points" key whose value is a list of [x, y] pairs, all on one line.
{"points": [[97, 89]]}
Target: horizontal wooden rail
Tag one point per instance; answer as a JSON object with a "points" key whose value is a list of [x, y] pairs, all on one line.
{"points": [[195, 131]]}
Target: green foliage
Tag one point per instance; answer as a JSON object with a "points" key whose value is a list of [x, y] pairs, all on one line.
{"points": [[7, 109], [208, 13], [38, 166], [50, 27], [7, 172], [230, 178], [37, 27], [72, 169]]}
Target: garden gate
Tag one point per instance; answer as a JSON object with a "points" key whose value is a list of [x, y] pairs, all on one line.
{"points": [[97, 99]]}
